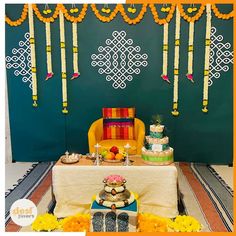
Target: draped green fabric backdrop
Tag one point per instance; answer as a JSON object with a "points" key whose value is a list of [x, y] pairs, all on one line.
{"points": [[44, 133]]}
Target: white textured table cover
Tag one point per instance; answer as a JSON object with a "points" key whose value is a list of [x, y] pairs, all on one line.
{"points": [[75, 185]]}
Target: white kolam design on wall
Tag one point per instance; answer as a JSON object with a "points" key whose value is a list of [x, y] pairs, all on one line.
{"points": [[119, 60], [221, 56], [20, 61]]}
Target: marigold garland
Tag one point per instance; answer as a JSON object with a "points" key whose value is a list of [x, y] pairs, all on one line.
{"points": [[164, 20], [221, 15], [46, 19], [136, 19], [74, 19], [189, 18], [119, 7], [20, 20], [105, 18]]}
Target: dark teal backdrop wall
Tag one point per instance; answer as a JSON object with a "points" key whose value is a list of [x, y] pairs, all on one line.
{"points": [[44, 133]]}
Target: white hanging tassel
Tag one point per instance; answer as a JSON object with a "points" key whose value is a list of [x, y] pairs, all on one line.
{"points": [[165, 53], [175, 111], [33, 58], [190, 52], [75, 51], [48, 50], [63, 63], [207, 59]]}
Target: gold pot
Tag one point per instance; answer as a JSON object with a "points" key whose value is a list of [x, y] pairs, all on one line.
{"points": [[105, 196]]}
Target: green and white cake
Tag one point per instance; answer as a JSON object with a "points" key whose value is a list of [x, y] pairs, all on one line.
{"points": [[157, 150]]}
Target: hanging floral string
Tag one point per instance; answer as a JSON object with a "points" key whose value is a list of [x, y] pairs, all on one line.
{"points": [[75, 51], [207, 59], [175, 111], [191, 21], [190, 52], [63, 63], [165, 53], [33, 58], [48, 50]]}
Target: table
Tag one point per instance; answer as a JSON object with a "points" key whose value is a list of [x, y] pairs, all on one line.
{"points": [[75, 185]]}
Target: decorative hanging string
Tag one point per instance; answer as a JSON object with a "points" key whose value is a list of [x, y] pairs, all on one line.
{"points": [[75, 51], [175, 111], [165, 53], [190, 52], [207, 59], [63, 63], [48, 50], [191, 20], [33, 58]]}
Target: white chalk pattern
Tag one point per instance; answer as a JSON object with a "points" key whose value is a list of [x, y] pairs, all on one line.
{"points": [[221, 56], [20, 61], [119, 59]]}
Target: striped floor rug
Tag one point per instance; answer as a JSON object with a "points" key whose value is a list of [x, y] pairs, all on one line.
{"points": [[203, 194]]}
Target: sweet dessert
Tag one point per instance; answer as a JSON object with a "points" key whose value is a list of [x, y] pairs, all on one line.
{"points": [[157, 150], [114, 195], [115, 208]]}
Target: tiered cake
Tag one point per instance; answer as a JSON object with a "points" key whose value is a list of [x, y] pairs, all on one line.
{"points": [[157, 150], [115, 208]]}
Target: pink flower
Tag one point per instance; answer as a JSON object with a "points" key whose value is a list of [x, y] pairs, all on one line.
{"points": [[190, 77], [114, 178], [49, 75], [75, 75], [165, 78]]}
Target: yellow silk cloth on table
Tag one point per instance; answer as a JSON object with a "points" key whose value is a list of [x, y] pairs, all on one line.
{"points": [[75, 185]]}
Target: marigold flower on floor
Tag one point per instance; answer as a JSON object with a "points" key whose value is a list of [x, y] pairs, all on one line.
{"points": [[45, 222], [77, 223]]}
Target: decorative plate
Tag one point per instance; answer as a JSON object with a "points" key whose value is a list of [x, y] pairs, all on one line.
{"points": [[73, 160]]}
